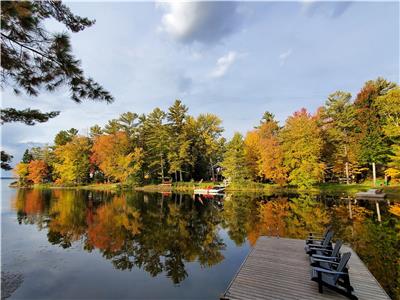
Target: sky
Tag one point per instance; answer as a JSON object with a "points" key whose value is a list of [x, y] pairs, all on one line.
{"points": [[233, 59]]}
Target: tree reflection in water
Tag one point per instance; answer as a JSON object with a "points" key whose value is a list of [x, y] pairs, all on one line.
{"points": [[159, 233]]}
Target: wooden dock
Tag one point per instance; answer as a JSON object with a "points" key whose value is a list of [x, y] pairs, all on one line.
{"points": [[278, 268]]}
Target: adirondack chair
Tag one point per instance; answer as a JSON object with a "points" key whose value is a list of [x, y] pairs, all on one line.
{"points": [[325, 258], [320, 245], [336, 279], [329, 254], [313, 237]]}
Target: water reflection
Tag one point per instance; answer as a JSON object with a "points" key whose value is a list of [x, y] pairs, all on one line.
{"points": [[161, 232], [156, 232]]}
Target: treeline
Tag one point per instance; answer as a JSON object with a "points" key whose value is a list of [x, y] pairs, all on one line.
{"points": [[345, 140], [131, 149]]}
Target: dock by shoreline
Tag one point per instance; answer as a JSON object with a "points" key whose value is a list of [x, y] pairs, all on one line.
{"points": [[278, 268]]}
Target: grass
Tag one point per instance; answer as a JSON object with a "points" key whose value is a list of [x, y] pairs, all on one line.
{"points": [[245, 186]]}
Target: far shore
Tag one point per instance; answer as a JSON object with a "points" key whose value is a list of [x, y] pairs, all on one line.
{"points": [[251, 187]]}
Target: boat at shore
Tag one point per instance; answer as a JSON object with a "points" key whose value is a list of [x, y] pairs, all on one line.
{"points": [[371, 194], [211, 190]]}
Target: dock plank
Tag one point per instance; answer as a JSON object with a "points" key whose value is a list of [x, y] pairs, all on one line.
{"points": [[278, 268]]}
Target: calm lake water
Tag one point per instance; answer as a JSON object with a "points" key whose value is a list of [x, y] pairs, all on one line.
{"points": [[64, 244]]}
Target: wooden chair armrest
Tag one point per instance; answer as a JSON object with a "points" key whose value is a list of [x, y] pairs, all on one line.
{"points": [[318, 247], [322, 270], [324, 257], [324, 260]]}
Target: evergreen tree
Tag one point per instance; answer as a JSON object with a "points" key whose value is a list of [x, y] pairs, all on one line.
{"points": [[234, 164], [338, 119], [32, 58], [178, 152], [95, 131], [27, 157], [375, 147], [65, 136], [112, 127], [128, 123], [207, 145], [156, 143], [267, 117], [27, 116]]}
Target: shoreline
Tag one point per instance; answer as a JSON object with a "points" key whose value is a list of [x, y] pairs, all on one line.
{"points": [[188, 187]]}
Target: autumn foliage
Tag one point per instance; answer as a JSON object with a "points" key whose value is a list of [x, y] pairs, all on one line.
{"points": [[114, 156], [38, 171], [338, 143], [264, 153]]}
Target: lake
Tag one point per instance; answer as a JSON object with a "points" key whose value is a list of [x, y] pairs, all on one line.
{"points": [[64, 244]]}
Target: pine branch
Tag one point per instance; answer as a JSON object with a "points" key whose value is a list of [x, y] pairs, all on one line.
{"points": [[27, 116], [31, 49]]}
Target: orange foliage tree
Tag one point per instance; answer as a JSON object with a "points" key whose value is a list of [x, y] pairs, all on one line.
{"points": [[114, 156], [271, 154], [112, 223], [38, 171], [264, 153]]}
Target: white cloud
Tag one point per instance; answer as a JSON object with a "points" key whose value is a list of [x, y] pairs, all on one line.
{"points": [[204, 22], [224, 63], [284, 56]]}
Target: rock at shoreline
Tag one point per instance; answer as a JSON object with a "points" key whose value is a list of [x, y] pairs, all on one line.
{"points": [[10, 282]]}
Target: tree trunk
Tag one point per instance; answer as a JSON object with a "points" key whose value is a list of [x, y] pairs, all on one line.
{"points": [[378, 211], [347, 173], [346, 165], [350, 211], [162, 169], [212, 170], [180, 175], [373, 174]]}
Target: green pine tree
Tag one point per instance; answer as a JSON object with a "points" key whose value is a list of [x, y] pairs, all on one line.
{"points": [[234, 165]]}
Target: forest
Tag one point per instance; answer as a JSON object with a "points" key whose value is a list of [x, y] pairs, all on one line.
{"points": [[348, 139]]}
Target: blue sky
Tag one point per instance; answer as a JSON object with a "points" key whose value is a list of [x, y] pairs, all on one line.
{"points": [[234, 59]]}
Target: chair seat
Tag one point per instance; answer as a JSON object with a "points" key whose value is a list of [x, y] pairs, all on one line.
{"points": [[327, 278], [325, 265]]}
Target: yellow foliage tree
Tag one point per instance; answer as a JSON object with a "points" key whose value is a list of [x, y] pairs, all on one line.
{"points": [[22, 171], [252, 152], [73, 164], [302, 144]]}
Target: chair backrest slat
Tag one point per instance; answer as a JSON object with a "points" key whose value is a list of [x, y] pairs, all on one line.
{"points": [[343, 261], [327, 239], [337, 247], [329, 228], [342, 265]]}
